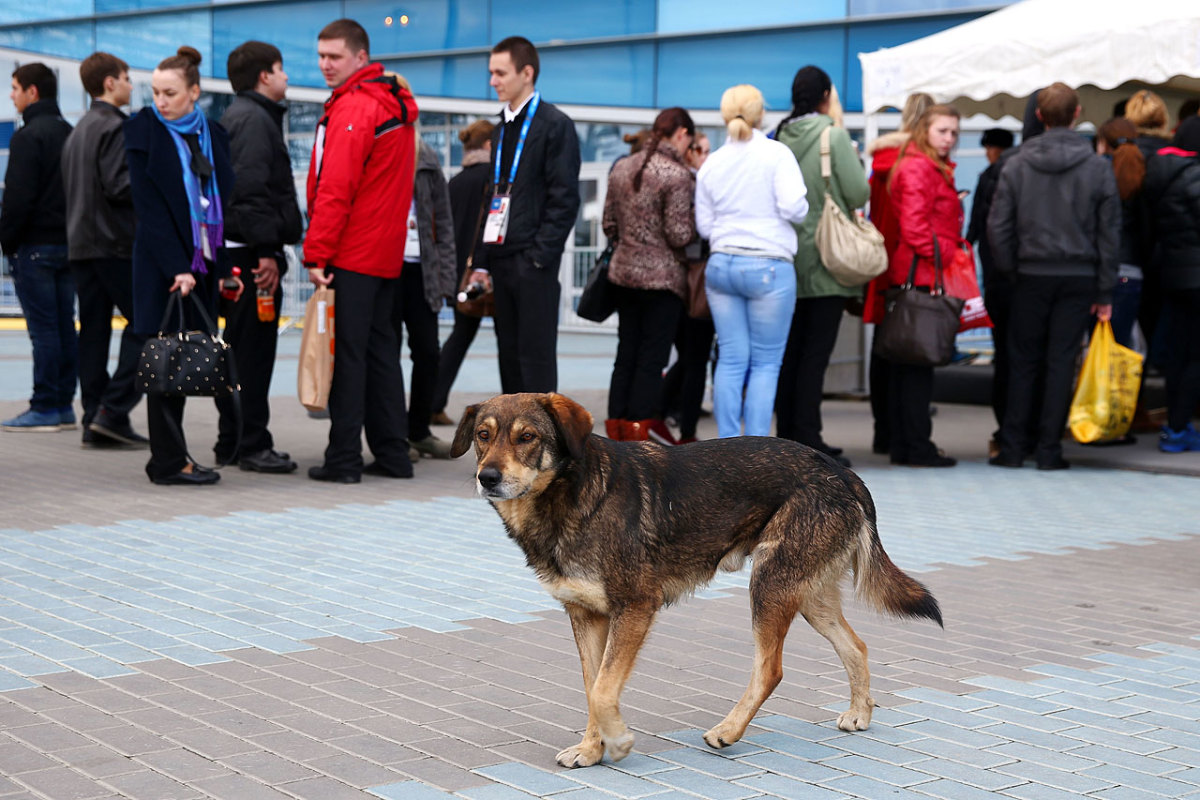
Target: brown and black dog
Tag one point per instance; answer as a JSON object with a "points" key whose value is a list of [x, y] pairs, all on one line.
{"points": [[616, 530]]}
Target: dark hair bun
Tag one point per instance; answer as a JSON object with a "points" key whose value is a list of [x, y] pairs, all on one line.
{"points": [[190, 53]]}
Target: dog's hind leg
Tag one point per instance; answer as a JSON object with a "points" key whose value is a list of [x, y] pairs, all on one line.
{"points": [[773, 612], [823, 610], [626, 634], [591, 632]]}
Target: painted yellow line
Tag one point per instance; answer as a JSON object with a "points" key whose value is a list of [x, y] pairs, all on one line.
{"points": [[118, 323]]}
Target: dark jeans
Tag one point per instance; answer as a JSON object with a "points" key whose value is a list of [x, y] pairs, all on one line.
{"points": [[910, 392], [254, 346], [1127, 299], [997, 299], [645, 332], [1183, 367], [526, 323], [367, 393], [880, 370], [46, 291], [412, 311], [1049, 318], [683, 385], [811, 338], [101, 284], [454, 350]]}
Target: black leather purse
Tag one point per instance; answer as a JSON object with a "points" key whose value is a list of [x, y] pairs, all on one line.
{"points": [[598, 300], [187, 363], [919, 327]]}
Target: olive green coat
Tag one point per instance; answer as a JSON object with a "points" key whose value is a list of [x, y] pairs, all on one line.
{"points": [[850, 191]]}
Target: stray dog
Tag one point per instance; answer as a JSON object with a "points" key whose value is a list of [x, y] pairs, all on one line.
{"points": [[616, 530]]}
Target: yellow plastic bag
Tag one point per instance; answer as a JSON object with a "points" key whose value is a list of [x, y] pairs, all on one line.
{"points": [[1106, 395]]}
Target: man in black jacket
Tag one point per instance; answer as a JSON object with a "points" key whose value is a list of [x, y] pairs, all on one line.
{"points": [[1054, 229], [534, 200], [100, 244], [33, 234], [261, 217]]}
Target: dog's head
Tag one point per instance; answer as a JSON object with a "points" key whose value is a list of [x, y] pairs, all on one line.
{"points": [[521, 441]]}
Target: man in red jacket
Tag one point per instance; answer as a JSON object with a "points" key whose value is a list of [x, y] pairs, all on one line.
{"points": [[360, 185]]}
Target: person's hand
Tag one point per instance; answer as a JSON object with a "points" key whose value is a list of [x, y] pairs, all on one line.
{"points": [[1102, 312], [481, 276], [318, 277], [266, 274], [241, 288], [184, 283]]}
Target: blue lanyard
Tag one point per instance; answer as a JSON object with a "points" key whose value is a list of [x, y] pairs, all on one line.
{"points": [[512, 172]]}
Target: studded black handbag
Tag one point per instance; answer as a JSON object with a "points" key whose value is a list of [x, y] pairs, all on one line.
{"points": [[187, 363]]}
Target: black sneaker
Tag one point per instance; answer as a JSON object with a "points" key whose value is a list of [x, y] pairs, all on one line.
{"points": [[1003, 459], [267, 461], [322, 473], [1054, 464], [379, 470], [118, 430]]}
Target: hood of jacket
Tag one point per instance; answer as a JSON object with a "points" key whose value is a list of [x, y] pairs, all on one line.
{"points": [[802, 134], [1032, 126], [426, 158], [894, 140], [1056, 150], [383, 88]]}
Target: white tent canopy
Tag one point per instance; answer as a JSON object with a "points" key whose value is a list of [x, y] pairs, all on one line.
{"points": [[1106, 49]]}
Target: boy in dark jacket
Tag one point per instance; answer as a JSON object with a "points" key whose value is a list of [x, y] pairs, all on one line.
{"points": [[100, 224], [261, 217], [33, 234], [1054, 229]]}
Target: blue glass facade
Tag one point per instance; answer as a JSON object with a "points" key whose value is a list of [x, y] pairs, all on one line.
{"points": [[624, 53]]}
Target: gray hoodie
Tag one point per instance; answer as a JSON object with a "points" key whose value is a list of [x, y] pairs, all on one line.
{"points": [[1057, 212]]}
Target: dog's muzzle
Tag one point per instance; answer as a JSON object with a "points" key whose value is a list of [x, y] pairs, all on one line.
{"points": [[489, 478]]}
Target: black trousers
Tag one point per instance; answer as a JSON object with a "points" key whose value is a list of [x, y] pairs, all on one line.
{"points": [[526, 321], [454, 350], [413, 312], [1049, 318], [1183, 365], [910, 391], [683, 385], [880, 372], [646, 328], [367, 392], [997, 299], [101, 284], [810, 343], [168, 448], [254, 346]]}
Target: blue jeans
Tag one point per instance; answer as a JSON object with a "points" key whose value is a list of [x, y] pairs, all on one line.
{"points": [[752, 300], [46, 291], [1127, 298]]}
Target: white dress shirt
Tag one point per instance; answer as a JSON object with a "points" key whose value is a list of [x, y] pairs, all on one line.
{"points": [[748, 195]]}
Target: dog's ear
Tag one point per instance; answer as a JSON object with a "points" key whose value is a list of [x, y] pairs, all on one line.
{"points": [[573, 421], [465, 434]]}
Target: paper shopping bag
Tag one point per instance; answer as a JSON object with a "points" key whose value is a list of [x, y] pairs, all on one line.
{"points": [[315, 374]]}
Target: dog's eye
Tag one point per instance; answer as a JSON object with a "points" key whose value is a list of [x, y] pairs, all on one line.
{"points": [[527, 437], [483, 435]]}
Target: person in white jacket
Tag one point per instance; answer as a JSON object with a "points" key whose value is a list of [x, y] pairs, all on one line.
{"points": [[748, 195]]}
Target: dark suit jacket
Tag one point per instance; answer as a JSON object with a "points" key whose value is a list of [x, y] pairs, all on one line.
{"points": [[162, 244]]}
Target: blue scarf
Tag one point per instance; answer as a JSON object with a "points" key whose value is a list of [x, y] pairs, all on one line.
{"points": [[205, 221]]}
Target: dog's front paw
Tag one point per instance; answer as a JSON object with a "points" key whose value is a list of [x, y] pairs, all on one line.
{"points": [[583, 754], [620, 746], [722, 735], [855, 719]]}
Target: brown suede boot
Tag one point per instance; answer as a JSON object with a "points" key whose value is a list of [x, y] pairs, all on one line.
{"points": [[637, 430], [615, 429]]}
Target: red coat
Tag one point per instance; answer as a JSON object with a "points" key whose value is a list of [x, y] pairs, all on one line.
{"points": [[360, 180], [926, 203], [883, 215]]}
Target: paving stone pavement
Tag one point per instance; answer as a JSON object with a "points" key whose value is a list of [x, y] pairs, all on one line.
{"points": [[277, 638]]}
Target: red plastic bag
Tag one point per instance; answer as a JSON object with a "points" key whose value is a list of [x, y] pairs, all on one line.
{"points": [[959, 278]]}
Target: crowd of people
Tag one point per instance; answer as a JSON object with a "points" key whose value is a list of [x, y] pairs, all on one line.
{"points": [[136, 213]]}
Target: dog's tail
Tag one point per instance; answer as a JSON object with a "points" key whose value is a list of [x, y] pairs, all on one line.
{"points": [[880, 582]]}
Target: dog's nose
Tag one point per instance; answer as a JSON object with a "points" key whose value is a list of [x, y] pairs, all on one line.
{"points": [[490, 477]]}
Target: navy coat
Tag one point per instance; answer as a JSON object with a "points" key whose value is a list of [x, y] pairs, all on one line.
{"points": [[162, 243]]}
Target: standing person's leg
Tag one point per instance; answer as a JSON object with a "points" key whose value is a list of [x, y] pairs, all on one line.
{"points": [[348, 388], [880, 374], [1127, 297], [659, 311], [693, 359], [121, 394], [1068, 320], [1028, 324], [998, 299], [168, 448], [629, 331], [786, 393], [1183, 371], [506, 293], [68, 338], [537, 328], [822, 317], [95, 333], [36, 288], [385, 415], [772, 284], [731, 320], [421, 321], [454, 350], [912, 427]]}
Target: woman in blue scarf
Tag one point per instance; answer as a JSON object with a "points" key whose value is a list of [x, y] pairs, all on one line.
{"points": [[178, 172]]}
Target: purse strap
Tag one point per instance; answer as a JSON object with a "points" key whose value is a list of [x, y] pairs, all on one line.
{"points": [[938, 286], [826, 161]]}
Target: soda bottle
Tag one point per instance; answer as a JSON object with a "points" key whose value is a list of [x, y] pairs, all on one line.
{"points": [[266, 305], [229, 286]]}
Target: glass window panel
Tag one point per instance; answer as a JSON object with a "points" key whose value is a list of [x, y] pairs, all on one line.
{"points": [[69, 39], [157, 36], [867, 37], [543, 20], [689, 77], [462, 76], [609, 75], [432, 24], [29, 10], [105, 6], [863, 7], [297, 40], [675, 16]]}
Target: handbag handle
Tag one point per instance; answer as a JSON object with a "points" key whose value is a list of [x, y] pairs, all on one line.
{"points": [[210, 327], [938, 286]]}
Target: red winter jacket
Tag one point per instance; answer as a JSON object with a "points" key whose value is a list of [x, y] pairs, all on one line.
{"points": [[883, 216], [926, 204], [360, 181]]}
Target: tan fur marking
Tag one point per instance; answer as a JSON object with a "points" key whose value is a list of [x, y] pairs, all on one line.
{"points": [[583, 592]]}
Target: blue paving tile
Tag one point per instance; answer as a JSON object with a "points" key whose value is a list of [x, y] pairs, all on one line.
{"points": [[527, 778], [887, 773], [709, 763], [792, 745], [495, 792], [704, 786], [619, 783], [779, 786], [794, 767], [1121, 776], [871, 789], [409, 790]]}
